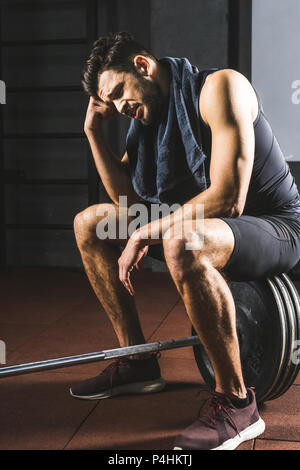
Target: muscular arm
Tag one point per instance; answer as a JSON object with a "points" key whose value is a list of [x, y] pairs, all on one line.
{"points": [[113, 172], [226, 106]]}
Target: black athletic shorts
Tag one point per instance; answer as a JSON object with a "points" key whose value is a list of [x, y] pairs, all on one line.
{"points": [[264, 246]]}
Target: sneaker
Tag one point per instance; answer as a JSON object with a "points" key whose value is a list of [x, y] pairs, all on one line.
{"points": [[223, 426], [122, 376]]}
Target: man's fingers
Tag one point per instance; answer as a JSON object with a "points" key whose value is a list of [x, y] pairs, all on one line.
{"points": [[129, 287], [99, 105], [131, 290], [125, 279], [140, 264]]}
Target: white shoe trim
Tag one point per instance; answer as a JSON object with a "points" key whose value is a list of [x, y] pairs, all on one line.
{"points": [[137, 387], [251, 432]]}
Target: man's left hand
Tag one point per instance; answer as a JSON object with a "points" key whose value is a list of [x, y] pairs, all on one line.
{"points": [[132, 256]]}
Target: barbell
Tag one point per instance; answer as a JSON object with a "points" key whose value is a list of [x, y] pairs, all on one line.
{"points": [[268, 328]]}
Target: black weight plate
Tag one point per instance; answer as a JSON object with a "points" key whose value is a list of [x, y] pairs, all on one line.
{"points": [[281, 347], [287, 364], [261, 330], [295, 362]]}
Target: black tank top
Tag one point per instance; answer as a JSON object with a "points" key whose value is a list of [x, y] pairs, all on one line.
{"points": [[272, 188]]}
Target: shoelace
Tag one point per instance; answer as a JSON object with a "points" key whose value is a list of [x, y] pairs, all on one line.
{"points": [[114, 366], [216, 405]]}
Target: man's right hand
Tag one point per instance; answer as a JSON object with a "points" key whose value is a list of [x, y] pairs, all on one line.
{"points": [[97, 112]]}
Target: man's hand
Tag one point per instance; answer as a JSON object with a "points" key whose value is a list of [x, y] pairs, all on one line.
{"points": [[97, 112], [132, 256]]}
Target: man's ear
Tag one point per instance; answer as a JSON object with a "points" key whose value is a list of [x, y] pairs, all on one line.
{"points": [[143, 65]]}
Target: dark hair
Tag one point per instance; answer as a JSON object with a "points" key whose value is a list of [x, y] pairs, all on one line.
{"points": [[115, 51]]}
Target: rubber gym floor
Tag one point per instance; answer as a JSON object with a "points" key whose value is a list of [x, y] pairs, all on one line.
{"points": [[48, 313]]}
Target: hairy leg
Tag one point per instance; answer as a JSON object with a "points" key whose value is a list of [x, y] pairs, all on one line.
{"points": [[100, 260], [208, 300]]}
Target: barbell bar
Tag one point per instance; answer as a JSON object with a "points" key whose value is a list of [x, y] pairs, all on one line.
{"points": [[79, 359]]}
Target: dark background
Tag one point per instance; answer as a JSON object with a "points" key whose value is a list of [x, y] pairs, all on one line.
{"points": [[47, 173]]}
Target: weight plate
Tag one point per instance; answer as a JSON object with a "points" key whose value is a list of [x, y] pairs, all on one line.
{"points": [[295, 360], [262, 333], [287, 364], [279, 350]]}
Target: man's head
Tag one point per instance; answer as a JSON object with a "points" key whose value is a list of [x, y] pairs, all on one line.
{"points": [[121, 72]]}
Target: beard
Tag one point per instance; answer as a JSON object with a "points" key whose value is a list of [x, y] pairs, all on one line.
{"points": [[153, 99]]}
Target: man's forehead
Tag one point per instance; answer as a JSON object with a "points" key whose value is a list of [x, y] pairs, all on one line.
{"points": [[107, 82]]}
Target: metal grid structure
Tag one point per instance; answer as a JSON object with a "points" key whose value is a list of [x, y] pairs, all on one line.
{"points": [[239, 39], [19, 177]]}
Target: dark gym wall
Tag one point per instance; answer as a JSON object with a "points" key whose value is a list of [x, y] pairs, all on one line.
{"points": [[197, 29]]}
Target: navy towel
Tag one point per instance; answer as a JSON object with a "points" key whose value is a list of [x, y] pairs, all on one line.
{"points": [[167, 160]]}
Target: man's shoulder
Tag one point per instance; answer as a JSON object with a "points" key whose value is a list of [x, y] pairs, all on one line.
{"points": [[223, 78], [225, 87]]}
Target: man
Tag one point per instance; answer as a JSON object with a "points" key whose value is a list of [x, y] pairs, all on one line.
{"points": [[195, 138]]}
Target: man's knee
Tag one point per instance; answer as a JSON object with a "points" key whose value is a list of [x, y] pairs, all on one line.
{"points": [[83, 227], [85, 223], [184, 255], [200, 250]]}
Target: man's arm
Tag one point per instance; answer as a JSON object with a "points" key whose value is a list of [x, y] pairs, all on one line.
{"points": [[226, 106], [114, 172]]}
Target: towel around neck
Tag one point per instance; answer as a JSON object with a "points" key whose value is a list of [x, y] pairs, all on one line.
{"points": [[166, 159]]}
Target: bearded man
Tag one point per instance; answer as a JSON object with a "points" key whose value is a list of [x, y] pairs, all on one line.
{"points": [[196, 137]]}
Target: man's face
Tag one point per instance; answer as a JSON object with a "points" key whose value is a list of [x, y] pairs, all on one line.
{"points": [[132, 94]]}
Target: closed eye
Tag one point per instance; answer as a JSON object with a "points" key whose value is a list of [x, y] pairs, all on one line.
{"points": [[117, 92]]}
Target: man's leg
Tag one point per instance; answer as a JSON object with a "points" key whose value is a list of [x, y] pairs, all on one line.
{"points": [[136, 374], [231, 414], [208, 300], [100, 260]]}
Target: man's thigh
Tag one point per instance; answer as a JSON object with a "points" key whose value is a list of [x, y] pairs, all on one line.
{"points": [[248, 248], [264, 246], [214, 241]]}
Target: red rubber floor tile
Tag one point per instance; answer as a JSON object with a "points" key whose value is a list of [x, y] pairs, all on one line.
{"points": [[266, 444], [52, 313], [149, 421], [40, 296], [15, 335], [176, 325], [86, 328], [37, 411], [282, 416]]}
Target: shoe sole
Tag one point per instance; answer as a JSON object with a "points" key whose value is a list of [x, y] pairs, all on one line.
{"points": [[139, 387], [251, 432]]}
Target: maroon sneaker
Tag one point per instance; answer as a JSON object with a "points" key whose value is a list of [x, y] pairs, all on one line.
{"points": [[223, 426], [122, 376]]}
